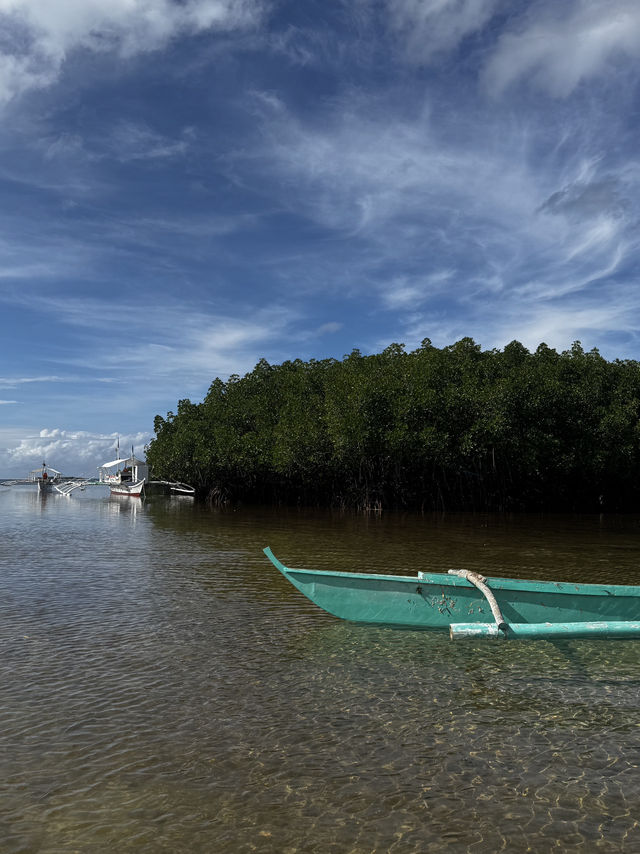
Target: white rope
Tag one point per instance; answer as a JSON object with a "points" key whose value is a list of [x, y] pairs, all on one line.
{"points": [[479, 581]]}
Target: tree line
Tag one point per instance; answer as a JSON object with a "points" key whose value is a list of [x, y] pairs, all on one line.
{"points": [[454, 428]]}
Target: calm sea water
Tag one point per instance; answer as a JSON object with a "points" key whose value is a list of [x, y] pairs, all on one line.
{"points": [[165, 690]]}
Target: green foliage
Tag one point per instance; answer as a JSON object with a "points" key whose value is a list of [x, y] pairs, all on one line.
{"points": [[456, 428]]}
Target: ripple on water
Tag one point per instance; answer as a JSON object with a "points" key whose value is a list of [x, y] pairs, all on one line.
{"points": [[164, 690]]}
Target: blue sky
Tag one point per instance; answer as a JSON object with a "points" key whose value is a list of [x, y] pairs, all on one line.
{"points": [[187, 186]]}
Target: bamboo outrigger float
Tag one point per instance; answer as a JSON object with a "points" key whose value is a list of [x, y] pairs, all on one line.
{"points": [[468, 605]]}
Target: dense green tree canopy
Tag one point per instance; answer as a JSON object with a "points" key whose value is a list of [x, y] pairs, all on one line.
{"points": [[454, 428]]}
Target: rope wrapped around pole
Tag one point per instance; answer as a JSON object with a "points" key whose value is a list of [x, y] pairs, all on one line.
{"points": [[479, 581]]}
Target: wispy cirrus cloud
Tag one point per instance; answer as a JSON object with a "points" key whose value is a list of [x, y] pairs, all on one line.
{"points": [[127, 141], [169, 340], [130, 141], [556, 323], [41, 34], [429, 27], [402, 183], [14, 382], [407, 291], [553, 47], [446, 221], [565, 44]]}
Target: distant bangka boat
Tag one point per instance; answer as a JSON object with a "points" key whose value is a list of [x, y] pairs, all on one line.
{"points": [[46, 477], [125, 476]]}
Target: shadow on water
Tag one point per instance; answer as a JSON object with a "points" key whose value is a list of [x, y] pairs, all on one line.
{"points": [[164, 689]]}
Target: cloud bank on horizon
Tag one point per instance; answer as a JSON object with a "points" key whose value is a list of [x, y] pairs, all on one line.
{"points": [[190, 186]]}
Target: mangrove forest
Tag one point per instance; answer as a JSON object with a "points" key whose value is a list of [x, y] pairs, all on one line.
{"points": [[452, 428]]}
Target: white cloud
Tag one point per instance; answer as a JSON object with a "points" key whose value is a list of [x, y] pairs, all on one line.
{"points": [[550, 45], [428, 27], [556, 323], [72, 452], [565, 44], [329, 328], [41, 34], [135, 141], [559, 324], [405, 291], [14, 382], [397, 183], [168, 340], [470, 235]]}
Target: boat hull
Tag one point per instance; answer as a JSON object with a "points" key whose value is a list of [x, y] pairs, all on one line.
{"points": [[133, 489], [436, 601]]}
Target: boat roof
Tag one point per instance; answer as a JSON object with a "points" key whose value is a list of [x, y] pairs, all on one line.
{"points": [[44, 468], [130, 460]]}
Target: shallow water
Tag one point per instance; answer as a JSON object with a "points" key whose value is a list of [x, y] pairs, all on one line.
{"points": [[165, 689]]}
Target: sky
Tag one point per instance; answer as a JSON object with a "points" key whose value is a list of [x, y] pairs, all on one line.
{"points": [[188, 186]]}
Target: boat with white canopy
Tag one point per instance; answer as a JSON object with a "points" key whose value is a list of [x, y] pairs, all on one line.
{"points": [[125, 476], [45, 476]]}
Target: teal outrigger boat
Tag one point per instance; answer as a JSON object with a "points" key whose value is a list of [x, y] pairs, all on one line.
{"points": [[467, 604]]}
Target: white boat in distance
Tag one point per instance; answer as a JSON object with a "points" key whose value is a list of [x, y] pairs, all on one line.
{"points": [[125, 477], [45, 476], [129, 476]]}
